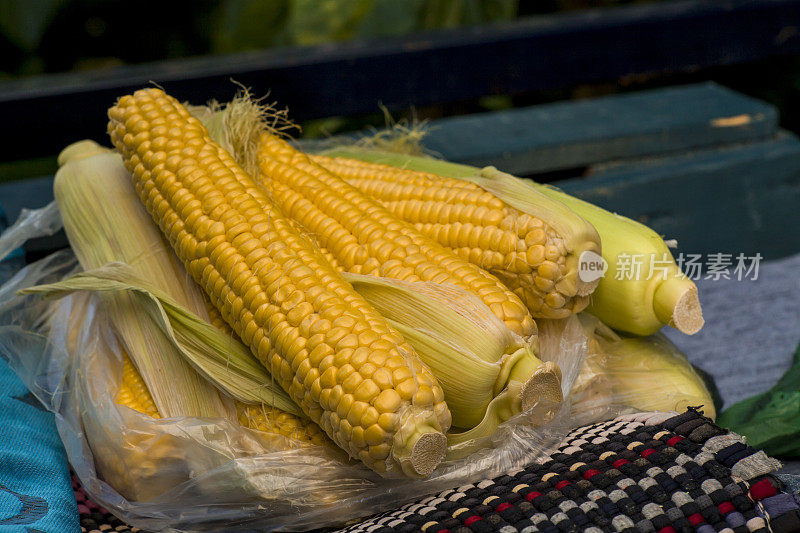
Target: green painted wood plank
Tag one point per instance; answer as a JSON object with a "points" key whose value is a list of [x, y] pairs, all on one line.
{"points": [[579, 133], [742, 199]]}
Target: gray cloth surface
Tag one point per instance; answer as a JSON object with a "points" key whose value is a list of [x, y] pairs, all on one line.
{"points": [[752, 329]]}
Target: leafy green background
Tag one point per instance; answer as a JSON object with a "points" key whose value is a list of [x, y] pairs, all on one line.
{"points": [[39, 36], [771, 420]]}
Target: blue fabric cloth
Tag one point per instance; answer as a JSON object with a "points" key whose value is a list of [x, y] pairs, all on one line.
{"points": [[35, 485]]}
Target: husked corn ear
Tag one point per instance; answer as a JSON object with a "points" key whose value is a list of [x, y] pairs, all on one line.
{"points": [[488, 373], [535, 252], [334, 354], [133, 392], [273, 420], [366, 239]]}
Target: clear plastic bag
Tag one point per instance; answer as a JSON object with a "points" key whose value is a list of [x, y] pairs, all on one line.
{"points": [[206, 474], [625, 373]]}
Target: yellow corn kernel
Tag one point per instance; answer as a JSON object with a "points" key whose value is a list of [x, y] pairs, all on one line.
{"points": [[273, 420], [133, 392]]}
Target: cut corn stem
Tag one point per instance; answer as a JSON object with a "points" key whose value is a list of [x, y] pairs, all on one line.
{"points": [[676, 303], [636, 306], [540, 408], [104, 222], [543, 386]]}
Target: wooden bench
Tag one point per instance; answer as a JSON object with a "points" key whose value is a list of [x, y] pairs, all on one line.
{"points": [[699, 163]]}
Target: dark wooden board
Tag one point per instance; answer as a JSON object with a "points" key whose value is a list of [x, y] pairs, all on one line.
{"points": [[572, 134], [528, 54], [739, 199]]}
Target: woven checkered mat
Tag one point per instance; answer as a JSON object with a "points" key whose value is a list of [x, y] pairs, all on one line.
{"points": [[648, 472], [95, 519]]}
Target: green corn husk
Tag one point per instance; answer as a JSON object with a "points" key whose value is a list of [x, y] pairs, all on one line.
{"points": [[644, 373], [103, 224]]}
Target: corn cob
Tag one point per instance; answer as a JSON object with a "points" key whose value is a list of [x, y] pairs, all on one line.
{"points": [[650, 374], [526, 252], [658, 295], [462, 342], [646, 373], [640, 306], [366, 239], [334, 355]]}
